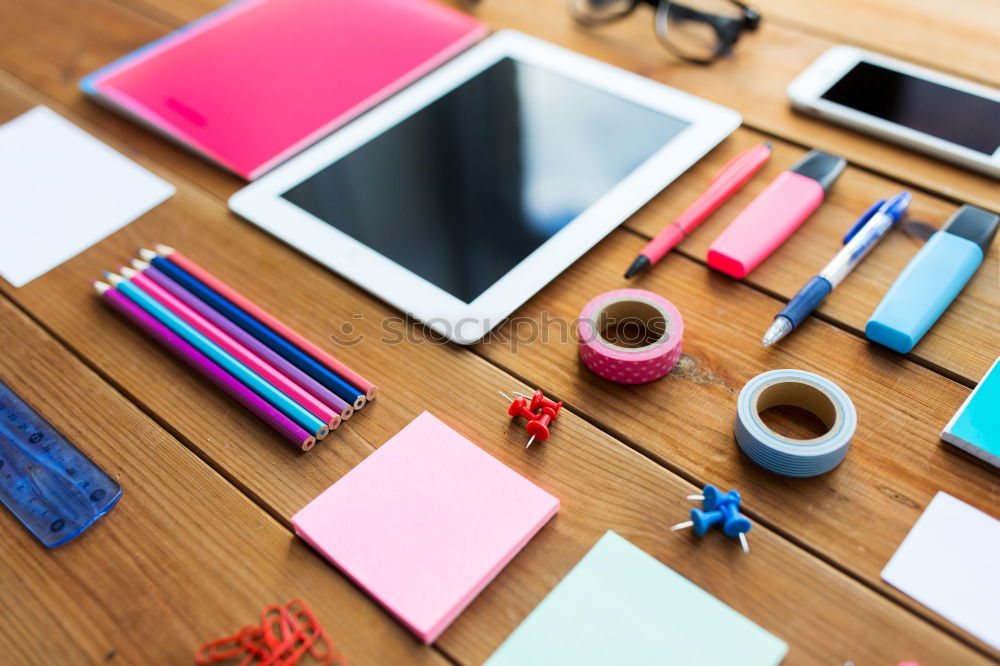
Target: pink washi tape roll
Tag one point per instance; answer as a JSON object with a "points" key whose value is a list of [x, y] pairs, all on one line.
{"points": [[630, 336]]}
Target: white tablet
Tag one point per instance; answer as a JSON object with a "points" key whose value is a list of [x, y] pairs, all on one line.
{"points": [[463, 195]]}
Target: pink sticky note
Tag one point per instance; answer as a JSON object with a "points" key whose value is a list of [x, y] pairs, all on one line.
{"points": [[425, 523]]}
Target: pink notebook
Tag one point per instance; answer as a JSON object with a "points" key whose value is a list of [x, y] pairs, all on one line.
{"points": [[255, 82], [424, 523]]}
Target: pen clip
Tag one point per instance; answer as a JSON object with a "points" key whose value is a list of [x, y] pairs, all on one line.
{"points": [[874, 208]]}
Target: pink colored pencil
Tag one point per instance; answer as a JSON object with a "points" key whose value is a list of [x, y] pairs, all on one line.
{"points": [[233, 387], [239, 352], [250, 308], [320, 392]]}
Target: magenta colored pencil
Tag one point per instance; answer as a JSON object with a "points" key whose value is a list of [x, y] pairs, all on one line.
{"points": [[318, 391], [269, 374], [281, 423], [248, 306]]}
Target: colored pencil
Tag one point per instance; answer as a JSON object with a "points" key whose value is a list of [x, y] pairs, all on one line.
{"points": [[248, 377], [319, 391], [203, 365], [248, 323], [370, 390], [237, 350]]}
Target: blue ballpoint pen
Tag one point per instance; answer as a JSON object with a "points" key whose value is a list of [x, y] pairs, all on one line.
{"points": [[859, 241]]}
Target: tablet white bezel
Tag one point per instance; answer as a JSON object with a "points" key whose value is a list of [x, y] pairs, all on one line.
{"points": [[465, 323]]}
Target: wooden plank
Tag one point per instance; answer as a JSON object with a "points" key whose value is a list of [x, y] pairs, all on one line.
{"points": [[70, 40], [183, 558], [958, 37], [963, 342], [856, 515], [602, 483], [753, 82], [74, 39], [953, 344]]}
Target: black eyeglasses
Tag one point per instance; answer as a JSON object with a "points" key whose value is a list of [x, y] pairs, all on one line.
{"points": [[697, 31]]}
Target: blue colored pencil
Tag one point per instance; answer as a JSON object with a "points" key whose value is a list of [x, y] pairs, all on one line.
{"points": [[255, 328], [320, 392], [245, 375]]}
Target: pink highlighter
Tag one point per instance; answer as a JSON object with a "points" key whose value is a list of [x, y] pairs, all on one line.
{"points": [[776, 212]]}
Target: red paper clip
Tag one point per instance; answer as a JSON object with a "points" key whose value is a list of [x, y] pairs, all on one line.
{"points": [[285, 635], [224, 648]]}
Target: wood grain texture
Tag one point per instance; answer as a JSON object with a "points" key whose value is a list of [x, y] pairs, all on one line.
{"points": [[89, 43], [68, 41], [184, 556], [621, 458], [76, 38], [896, 462], [602, 483], [958, 37], [753, 82], [954, 343]]}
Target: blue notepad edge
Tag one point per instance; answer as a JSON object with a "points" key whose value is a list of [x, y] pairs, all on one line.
{"points": [[975, 427]]}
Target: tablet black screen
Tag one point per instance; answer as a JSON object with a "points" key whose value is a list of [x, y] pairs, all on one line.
{"points": [[465, 188]]}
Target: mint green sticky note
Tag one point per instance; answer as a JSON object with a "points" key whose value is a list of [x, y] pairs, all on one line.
{"points": [[621, 606]]}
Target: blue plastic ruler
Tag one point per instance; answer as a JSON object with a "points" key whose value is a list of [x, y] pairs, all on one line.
{"points": [[55, 490]]}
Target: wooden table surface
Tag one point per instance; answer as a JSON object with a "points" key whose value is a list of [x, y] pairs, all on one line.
{"points": [[202, 540]]}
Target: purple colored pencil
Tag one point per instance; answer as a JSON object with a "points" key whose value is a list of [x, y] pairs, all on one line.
{"points": [[317, 390], [281, 423]]}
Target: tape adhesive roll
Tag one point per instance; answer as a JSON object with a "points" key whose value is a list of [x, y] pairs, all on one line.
{"points": [[630, 336], [784, 455]]}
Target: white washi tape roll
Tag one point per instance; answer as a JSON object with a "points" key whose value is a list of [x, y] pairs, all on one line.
{"points": [[646, 341], [784, 455]]}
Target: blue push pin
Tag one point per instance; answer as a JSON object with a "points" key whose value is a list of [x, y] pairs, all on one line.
{"points": [[712, 498], [736, 525], [703, 520], [718, 507]]}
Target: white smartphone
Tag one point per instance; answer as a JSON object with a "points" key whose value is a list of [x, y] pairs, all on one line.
{"points": [[941, 115]]}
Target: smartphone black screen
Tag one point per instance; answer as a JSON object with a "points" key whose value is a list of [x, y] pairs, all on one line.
{"points": [[947, 113]]}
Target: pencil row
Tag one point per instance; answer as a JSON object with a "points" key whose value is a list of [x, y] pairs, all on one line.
{"points": [[288, 382]]}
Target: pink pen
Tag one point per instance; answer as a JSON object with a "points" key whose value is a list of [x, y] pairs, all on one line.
{"points": [[726, 183], [776, 212]]}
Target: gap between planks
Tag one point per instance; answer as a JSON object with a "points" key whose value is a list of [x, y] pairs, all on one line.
{"points": [[916, 610], [282, 523], [628, 443], [836, 323]]}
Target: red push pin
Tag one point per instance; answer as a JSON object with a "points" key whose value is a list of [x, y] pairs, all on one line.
{"points": [[539, 400], [538, 427], [542, 412], [518, 407]]}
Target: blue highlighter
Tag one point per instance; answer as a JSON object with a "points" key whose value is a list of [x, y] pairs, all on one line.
{"points": [[931, 281]]}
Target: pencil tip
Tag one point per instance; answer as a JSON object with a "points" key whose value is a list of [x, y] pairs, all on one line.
{"points": [[148, 255], [100, 287], [127, 272], [769, 145], [164, 249], [113, 278], [139, 264], [640, 264]]}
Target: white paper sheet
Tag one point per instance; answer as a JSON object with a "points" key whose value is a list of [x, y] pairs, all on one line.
{"points": [[950, 562], [61, 191]]}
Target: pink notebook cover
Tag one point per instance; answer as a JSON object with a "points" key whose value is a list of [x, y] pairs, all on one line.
{"points": [[255, 82], [424, 523]]}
